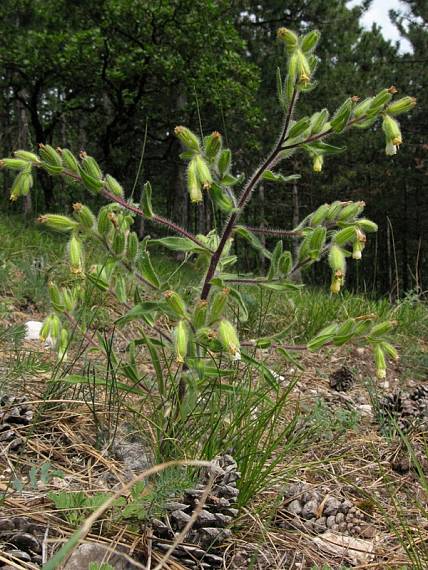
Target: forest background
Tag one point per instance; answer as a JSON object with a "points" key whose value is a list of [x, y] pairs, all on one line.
{"points": [[114, 77]]}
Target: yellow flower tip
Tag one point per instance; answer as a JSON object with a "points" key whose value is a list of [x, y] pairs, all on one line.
{"points": [[397, 141], [281, 32], [304, 78], [355, 98], [393, 90], [77, 206], [41, 219], [83, 154], [179, 360], [357, 254], [216, 135], [381, 373], [13, 198], [335, 287], [178, 129], [206, 186]]}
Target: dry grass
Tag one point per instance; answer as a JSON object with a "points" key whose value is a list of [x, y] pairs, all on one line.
{"points": [[352, 460]]}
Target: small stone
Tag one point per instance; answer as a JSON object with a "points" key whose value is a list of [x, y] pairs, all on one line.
{"points": [[368, 531], [331, 506], [340, 517], [26, 542], [295, 508], [310, 509], [342, 526], [330, 521], [19, 554]]}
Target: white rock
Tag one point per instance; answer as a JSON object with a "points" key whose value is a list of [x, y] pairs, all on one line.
{"points": [[33, 329], [357, 550]]}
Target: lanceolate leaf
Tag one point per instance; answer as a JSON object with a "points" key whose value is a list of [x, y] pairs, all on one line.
{"points": [[178, 244], [236, 296], [278, 177], [253, 240], [144, 311]]}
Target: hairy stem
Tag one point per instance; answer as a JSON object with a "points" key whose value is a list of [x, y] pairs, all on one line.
{"points": [[268, 163]]}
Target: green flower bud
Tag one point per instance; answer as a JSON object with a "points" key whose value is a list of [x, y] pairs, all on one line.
{"points": [[13, 163], [21, 185], [58, 222], [379, 358], [367, 225], [75, 252], [70, 161], [228, 337], [310, 41], [362, 108], [392, 131], [181, 341], [289, 38], [44, 331], [54, 328], [218, 304], [390, 350], [49, 155], [104, 222], [202, 171], [193, 184], [381, 99], [341, 116], [317, 241], [337, 281], [27, 156], [351, 211], [212, 145], [56, 297], [132, 247], [344, 236], [381, 329], [176, 303], [84, 215], [318, 121], [189, 139], [336, 259], [334, 210], [69, 299], [113, 186], [303, 68], [318, 162], [200, 314], [118, 243], [90, 166], [319, 215], [403, 105]]}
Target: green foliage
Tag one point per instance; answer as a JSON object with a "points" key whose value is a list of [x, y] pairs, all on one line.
{"points": [[76, 506], [193, 337]]}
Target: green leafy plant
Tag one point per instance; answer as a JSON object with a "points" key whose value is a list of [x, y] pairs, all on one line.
{"points": [[194, 338], [76, 506]]}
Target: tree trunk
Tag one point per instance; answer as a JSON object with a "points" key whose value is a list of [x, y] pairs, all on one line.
{"points": [[23, 141]]}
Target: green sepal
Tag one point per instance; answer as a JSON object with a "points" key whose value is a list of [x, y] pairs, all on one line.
{"points": [[146, 200]]}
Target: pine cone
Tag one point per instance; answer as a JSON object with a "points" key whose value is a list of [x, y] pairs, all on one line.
{"points": [[22, 540], [317, 511], [15, 412], [342, 379], [202, 548], [406, 409]]}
